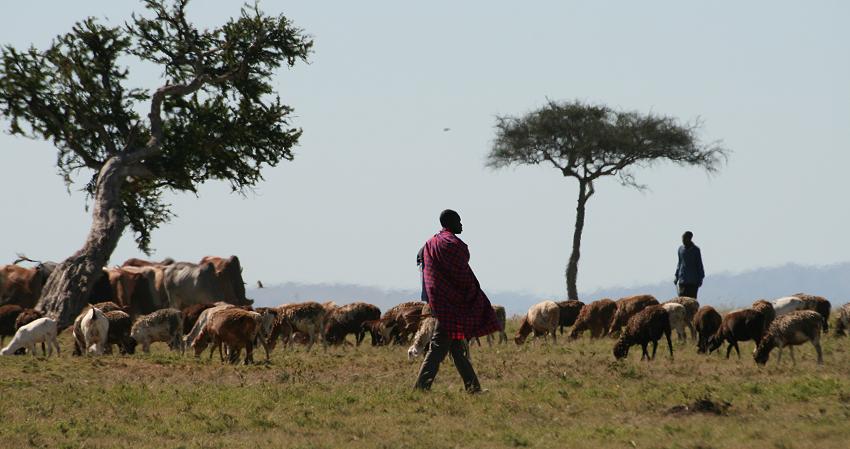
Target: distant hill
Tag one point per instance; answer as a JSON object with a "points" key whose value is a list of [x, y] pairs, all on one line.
{"points": [[724, 289]]}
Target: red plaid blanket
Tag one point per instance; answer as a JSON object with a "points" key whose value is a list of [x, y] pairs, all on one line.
{"points": [[455, 296]]}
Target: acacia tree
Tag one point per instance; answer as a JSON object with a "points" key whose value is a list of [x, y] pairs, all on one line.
{"points": [[587, 142], [215, 116]]}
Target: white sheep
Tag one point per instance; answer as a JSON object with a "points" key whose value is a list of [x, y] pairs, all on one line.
{"points": [[787, 305], [95, 329], [422, 338], [42, 330], [678, 318]]}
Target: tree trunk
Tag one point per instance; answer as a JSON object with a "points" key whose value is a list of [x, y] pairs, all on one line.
{"points": [[67, 289], [572, 266]]}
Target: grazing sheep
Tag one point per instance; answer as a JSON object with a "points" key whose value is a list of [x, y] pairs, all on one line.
{"points": [[568, 314], [678, 317], [739, 325], [501, 317], [27, 317], [308, 317], [818, 304], [120, 325], [233, 327], [792, 329], [595, 317], [202, 320], [766, 308], [77, 329], [402, 321], [42, 330], [691, 308], [644, 327], [376, 330], [542, 318], [265, 326], [94, 328], [627, 307], [164, 325], [706, 323], [349, 319], [8, 315], [787, 304], [422, 337], [842, 322]]}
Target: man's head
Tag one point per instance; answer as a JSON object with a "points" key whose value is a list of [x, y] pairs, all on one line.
{"points": [[450, 220], [687, 238]]}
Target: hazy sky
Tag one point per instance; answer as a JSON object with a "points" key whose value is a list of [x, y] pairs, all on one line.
{"points": [[374, 167]]}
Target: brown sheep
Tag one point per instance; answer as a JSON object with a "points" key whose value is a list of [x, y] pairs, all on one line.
{"points": [[766, 308], [627, 307], [595, 317], [569, 311], [691, 308], [349, 319], [790, 330], [739, 325], [233, 327], [542, 318], [646, 326], [118, 333], [706, 322], [402, 321], [818, 304]]}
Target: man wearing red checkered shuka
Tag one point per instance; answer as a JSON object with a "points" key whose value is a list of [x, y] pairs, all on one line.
{"points": [[460, 307]]}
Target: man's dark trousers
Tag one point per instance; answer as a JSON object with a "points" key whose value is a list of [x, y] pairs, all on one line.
{"points": [[441, 345], [689, 290]]}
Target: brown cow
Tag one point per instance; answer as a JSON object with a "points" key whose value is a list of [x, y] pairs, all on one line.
{"points": [[134, 262], [134, 290], [22, 286], [228, 273], [8, 315]]}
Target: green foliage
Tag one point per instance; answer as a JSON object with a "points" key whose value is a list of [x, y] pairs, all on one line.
{"points": [[215, 117], [590, 141]]}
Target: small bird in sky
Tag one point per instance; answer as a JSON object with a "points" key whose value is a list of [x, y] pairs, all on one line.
{"points": [[446, 129], [259, 284]]}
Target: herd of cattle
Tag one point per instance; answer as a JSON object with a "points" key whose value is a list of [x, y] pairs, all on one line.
{"points": [[200, 305]]}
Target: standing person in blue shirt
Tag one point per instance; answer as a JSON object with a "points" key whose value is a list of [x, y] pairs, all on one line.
{"points": [[689, 271]]}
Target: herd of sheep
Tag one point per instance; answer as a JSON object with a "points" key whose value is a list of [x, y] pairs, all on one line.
{"points": [[641, 320], [230, 329]]}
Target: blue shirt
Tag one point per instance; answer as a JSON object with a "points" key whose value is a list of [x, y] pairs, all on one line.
{"points": [[689, 270]]}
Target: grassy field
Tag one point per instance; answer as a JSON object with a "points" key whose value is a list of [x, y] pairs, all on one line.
{"points": [[571, 394]]}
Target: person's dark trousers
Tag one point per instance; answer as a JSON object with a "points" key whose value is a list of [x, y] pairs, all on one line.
{"points": [[689, 290], [441, 345]]}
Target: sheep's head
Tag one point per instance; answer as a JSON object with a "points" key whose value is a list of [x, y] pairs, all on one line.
{"points": [[714, 342], [522, 333], [129, 345], [200, 343], [762, 352], [621, 349]]}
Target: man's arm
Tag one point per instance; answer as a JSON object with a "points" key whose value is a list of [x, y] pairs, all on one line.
{"points": [[699, 267], [678, 267]]}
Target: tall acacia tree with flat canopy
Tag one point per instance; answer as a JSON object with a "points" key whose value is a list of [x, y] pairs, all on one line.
{"points": [[214, 116], [587, 142]]}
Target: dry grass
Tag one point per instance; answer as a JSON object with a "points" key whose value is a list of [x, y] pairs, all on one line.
{"points": [[572, 394]]}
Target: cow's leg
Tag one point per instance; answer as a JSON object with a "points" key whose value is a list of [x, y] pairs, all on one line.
{"points": [[31, 349], [654, 349], [729, 350], [737, 350], [793, 360]]}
